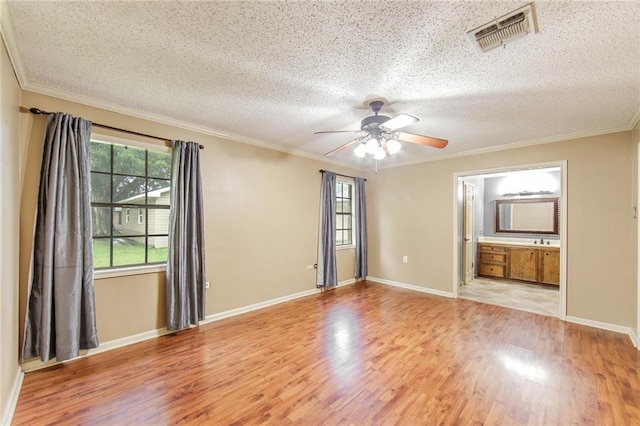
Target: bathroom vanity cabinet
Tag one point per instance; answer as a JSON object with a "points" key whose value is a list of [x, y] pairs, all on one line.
{"points": [[549, 266], [524, 263]]}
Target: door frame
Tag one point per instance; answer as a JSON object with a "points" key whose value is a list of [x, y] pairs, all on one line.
{"points": [[464, 229], [564, 201]]}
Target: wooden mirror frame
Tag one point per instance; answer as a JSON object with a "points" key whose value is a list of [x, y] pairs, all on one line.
{"points": [[498, 203]]}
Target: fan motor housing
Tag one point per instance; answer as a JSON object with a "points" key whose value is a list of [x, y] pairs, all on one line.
{"points": [[373, 122]]}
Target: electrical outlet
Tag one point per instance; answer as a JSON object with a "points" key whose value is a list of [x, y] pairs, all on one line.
{"points": [[207, 284], [405, 259]]}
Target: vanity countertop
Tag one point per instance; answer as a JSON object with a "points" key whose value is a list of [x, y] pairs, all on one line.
{"points": [[528, 242]]}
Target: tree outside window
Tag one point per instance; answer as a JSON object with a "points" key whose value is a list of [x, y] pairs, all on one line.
{"points": [[127, 177]]}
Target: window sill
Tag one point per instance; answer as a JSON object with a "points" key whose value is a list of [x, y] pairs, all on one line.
{"points": [[351, 246], [128, 271]]}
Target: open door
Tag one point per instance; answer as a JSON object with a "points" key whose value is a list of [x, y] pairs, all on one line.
{"points": [[468, 207]]}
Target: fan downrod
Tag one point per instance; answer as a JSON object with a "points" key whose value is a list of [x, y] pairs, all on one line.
{"points": [[373, 122]]}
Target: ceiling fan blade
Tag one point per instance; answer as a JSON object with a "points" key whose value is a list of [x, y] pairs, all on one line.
{"points": [[399, 121], [344, 146], [338, 131], [423, 140]]}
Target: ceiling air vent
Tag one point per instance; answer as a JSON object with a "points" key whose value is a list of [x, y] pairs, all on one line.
{"points": [[504, 29]]}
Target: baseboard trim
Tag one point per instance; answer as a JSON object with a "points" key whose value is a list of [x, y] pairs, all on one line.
{"points": [[347, 282], [412, 287], [634, 338], [12, 401], [36, 364], [261, 305], [606, 326]]}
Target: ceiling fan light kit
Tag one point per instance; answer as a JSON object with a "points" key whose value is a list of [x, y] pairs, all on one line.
{"points": [[381, 138]]}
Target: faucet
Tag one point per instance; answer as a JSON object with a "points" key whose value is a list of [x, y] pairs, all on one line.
{"points": [[541, 240]]}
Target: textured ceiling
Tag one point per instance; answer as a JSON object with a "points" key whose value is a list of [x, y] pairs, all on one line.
{"points": [[276, 71]]}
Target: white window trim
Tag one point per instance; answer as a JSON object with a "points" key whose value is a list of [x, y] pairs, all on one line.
{"points": [[156, 146], [351, 182], [128, 271]]}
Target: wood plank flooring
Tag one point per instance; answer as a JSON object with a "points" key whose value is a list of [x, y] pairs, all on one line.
{"points": [[361, 354]]}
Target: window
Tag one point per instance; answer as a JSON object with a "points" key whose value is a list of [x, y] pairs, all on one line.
{"points": [[125, 178], [344, 213]]}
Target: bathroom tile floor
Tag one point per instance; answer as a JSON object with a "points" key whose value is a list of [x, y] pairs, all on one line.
{"points": [[536, 298]]}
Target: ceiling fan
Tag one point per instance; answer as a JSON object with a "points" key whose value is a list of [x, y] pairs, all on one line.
{"points": [[382, 135]]}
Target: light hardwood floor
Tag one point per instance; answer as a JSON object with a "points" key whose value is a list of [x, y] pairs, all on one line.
{"points": [[361, 354]]}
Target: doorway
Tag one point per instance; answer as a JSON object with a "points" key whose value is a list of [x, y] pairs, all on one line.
{"points": [[467, 231], [498, 277]]}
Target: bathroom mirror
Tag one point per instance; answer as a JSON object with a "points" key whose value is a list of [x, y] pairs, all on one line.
{"points": [[527, 216]]}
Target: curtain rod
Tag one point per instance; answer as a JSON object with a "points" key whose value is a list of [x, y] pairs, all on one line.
{"points": [[338, 174], [37, 111]]}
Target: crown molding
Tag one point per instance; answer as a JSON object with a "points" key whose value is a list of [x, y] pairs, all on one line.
{"points": [[185, 125], [10, 41], [514, 145], [8, 35], [635, 120]]}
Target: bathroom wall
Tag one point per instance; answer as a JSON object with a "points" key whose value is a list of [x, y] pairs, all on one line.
{"points": [[492, 192]]}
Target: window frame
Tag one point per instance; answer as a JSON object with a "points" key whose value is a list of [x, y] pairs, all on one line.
{"points": [[134, 269], [351, 182]]}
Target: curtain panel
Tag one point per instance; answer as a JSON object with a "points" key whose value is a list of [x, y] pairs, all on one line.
{"points": [[361, 263], [327, 275], [186, 278], [60, 317]]}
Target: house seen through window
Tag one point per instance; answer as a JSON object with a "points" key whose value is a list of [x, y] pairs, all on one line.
{"points": [[129, 181], [344, 213]]}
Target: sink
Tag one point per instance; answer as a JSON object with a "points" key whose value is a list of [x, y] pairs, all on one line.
{"points": [[528, 242]]}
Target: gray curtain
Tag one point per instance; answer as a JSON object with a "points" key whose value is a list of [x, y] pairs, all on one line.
{"points": [[361, 229], [185, 285], [60, 318], [327, 275]]}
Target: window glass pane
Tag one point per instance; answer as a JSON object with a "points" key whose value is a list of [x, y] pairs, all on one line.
{"points": [[121, 232], [129, 189], [158, 191], [100, 157], [128, 251], [157, 251], [346, 206], [347, 191], [159, 164], [101, 221], [101, 252], [339, 240], [129, 160], [339, 206], [347, 237], [130, 225], [339, 221], [158, 221], [347, 221], [100, 188]]}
